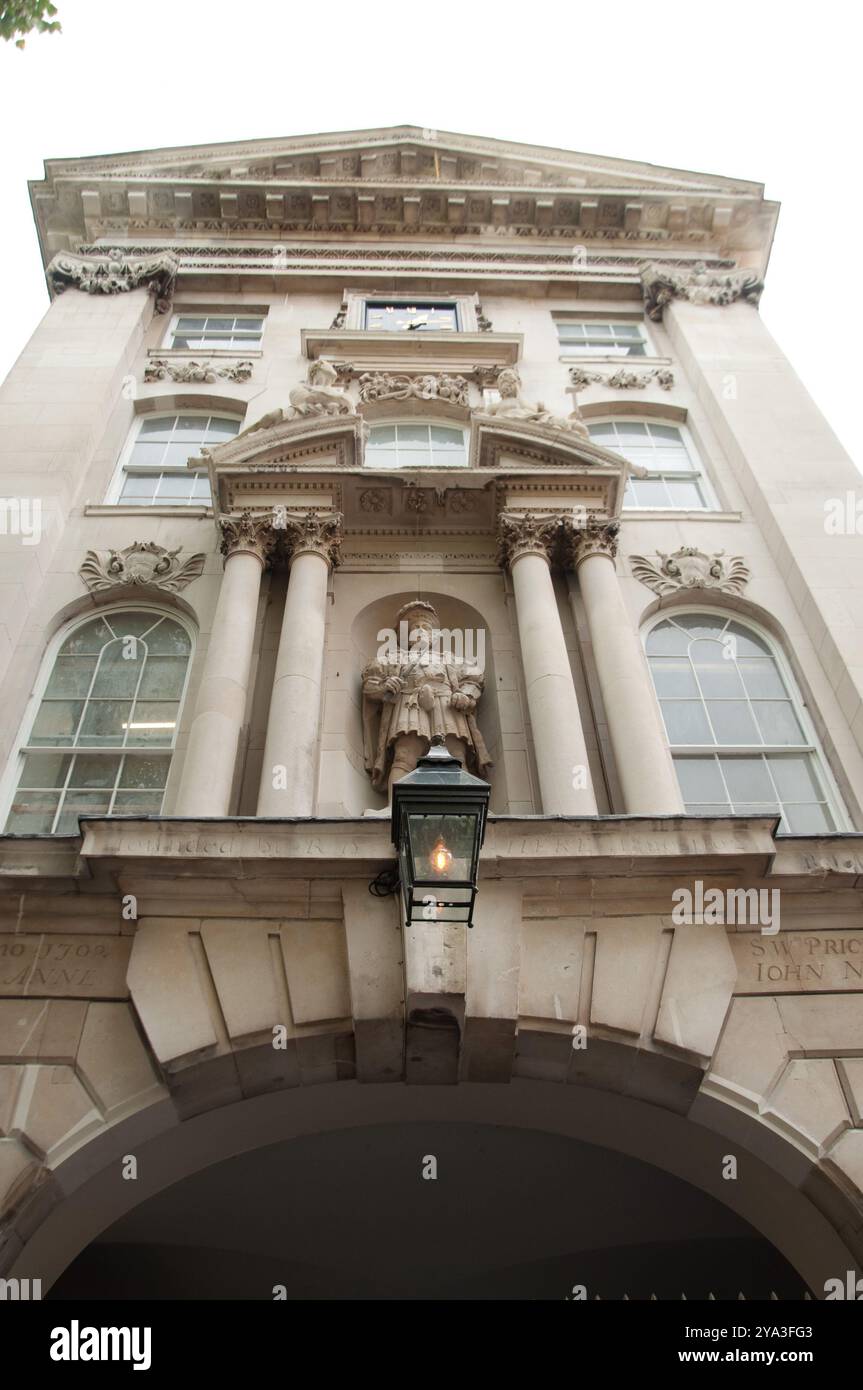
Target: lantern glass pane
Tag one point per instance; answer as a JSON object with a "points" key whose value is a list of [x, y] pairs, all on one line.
{"points": [[442, 847]]}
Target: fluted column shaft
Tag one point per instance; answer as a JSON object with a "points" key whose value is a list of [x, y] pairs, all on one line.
{"points": [[644, 764], [558, 736], [289, 771], [211, 755]]}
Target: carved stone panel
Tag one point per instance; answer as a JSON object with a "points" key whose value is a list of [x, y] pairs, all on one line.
{"points": [[690, 568], [141, 563]]}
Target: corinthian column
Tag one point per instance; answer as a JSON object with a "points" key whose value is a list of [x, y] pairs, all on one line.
{"points": [[558, 738], [208, 771], [644, 764], [289, 772]]}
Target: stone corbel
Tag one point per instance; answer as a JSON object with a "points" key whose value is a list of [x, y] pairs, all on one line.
{"points": [[114, 273], [143, 563], [691, 568], [700, 286]]}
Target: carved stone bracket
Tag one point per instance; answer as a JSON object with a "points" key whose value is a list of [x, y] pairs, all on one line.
{"points": [[318, 532], [596, 537], [700, 286], [528, 533], [163, 369], [114, 273], [248, 532], [141, 563], [690, 568], [622, 380], [428, 386]]}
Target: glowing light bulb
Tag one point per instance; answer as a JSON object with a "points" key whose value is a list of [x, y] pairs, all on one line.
{"points": [[440, 857]]}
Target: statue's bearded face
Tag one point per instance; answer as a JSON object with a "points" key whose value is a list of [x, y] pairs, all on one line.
{"points": [[421, 634]]}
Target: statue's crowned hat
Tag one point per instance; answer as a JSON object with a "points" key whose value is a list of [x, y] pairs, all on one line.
{"points": [[418, 608]]}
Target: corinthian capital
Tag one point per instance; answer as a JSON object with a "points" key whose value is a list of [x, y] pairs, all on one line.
{"points": [[596, 537], [527, 533], [113, 272], [318, 532], [247, 532]]}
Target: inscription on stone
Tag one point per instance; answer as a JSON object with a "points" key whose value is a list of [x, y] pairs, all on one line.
{"points": [[64, 967], [798, 962]]}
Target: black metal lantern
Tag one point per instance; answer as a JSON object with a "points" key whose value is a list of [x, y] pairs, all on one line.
{"points": [[439, 814]]}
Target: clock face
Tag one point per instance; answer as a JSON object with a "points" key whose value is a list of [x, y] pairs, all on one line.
{"points": [[412, 318]]}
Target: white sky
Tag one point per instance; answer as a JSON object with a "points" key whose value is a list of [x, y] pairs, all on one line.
{"points": [[764, 90]]}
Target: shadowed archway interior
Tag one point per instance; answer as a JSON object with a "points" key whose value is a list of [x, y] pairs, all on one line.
{"points": [[512, 1213]]}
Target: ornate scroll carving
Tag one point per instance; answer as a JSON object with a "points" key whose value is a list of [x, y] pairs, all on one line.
{"points": [[513, 406], [142, 562], [164, 369], [596, 537], [528, 533], [690, 568], [114, 273], [248, 532], [320, 532], [700, 286], [383, 386], [415, 689], [317, 395], [622, 380]]}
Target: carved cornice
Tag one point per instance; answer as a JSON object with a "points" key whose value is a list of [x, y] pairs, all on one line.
{"points": [[248, 533], [700, 286], [309, 531], [595, 537], [163, 369], [113, 272], [690, 568], [528, 533], [143, 563], [622, 380]]}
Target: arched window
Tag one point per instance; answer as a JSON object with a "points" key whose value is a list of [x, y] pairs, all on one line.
{"points": [[739, 735], [675, 475], [103, 734], [416, 445], [152, 470]]}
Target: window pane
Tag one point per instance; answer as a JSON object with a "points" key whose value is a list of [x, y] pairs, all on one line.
{"points": [[761, 678], [684, 493], [32, 813], [153, 723], [667, 639], [201, 488], [748, 780], [186, 324], [90, 771], [415, 458], [700, 780], [118, 673], [795, 779], [748, 644], [446, 438], [157, 427], [382, 436], [702, 625], [163, 677], [78, 804], [732, 721], [71, 675], [686, 722], [778, 722], [649, 492], [144, 772], [103, 724], [808, 820], [168, 638], [719, 678], [139, 487], [673, 677], [147, 455], [138, 803], [88, 639], [413, 436], [57, 721], [191, 424], [45, 769]]}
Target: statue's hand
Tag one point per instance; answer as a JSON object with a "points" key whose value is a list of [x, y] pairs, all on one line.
{"points": [[394, 685], [462, 702]]}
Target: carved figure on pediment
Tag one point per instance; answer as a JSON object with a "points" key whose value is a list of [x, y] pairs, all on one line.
{"points": [[513, 406], [317, 395], [417, 688]]}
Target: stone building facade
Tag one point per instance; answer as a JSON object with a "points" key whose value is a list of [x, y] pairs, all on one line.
{"points": [[284, 390]]}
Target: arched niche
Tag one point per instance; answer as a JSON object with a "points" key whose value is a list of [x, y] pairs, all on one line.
{"points": [[365, 606]]}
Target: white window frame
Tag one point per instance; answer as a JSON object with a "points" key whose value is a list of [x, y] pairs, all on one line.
{"points": [[15, 763], [698, 473], [355, 302], [569, 353], [244, 345], [425, 422], [115, 487], [811, 748]]}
